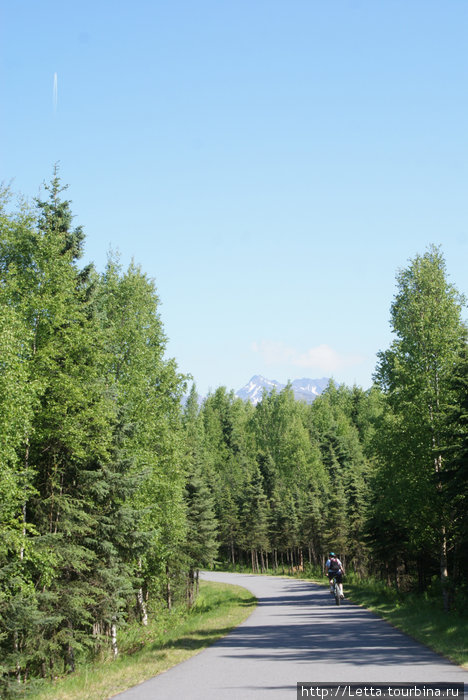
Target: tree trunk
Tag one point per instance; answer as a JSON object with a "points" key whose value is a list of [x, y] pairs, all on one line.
{"points": [[443, 536], [397, 584], [444, 569], [262, 562], [190, 588], [71, 658], [141, 604], [115, 650], [97, 631], [438, 469], [143, 612]]}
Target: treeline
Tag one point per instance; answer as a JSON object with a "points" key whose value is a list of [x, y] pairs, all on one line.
{"points": [[115, 491], [289, 480]]}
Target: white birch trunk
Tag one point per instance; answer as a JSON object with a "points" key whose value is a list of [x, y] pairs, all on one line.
{"points": [[142, 607], [141, 601], [115, 649]]}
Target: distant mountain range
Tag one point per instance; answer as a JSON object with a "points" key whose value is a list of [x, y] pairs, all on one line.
{"points": [[304, 389]]}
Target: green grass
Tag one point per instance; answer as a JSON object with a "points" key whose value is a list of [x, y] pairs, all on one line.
{"points": [[420, 616], [147, 651]]}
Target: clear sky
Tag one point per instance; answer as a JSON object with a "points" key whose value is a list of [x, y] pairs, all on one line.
{"points": [[270, 163]]}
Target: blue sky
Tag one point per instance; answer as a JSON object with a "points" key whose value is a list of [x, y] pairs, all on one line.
{"points": [[271, 164]]}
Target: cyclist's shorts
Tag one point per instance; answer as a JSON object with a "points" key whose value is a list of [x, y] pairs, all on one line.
{"points": [[337, 574]]}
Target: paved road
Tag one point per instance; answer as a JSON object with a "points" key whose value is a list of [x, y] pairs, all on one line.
{"points": [[296, 634]]}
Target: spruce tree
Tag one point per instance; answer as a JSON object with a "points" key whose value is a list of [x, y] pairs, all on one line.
{"points": [[254, 519], [201, 546]]}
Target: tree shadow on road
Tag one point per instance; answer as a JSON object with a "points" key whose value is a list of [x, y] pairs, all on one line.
{"points": [[304, 624]]}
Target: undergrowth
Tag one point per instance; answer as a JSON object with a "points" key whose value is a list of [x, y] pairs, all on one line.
{"points": [[420, 615]]}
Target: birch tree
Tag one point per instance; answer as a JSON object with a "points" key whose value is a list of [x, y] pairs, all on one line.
{"points": [[415, 374]]}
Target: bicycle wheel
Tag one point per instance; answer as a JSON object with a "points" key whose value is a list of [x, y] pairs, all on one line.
{"points": [[337, 594]]}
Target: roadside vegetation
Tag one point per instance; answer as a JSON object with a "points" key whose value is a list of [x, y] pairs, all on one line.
{"points": [[420, 615], [170, 638]]}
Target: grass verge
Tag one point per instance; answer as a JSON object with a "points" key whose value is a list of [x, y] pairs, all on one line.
{"points": [[420, 617], [145, 652]]}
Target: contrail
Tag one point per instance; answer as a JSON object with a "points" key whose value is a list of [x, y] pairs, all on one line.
{"points": [[55, 92]]}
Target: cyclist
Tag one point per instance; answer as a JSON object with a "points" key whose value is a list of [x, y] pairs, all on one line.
{"points": [[335, 569]]}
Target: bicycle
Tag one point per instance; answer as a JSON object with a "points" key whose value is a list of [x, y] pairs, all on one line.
{"points": [[336, 591]]}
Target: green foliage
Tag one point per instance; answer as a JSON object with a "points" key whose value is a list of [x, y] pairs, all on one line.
{"points": [[91, 479], [416, 375]]}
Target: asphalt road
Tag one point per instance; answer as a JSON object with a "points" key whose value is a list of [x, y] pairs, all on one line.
{"points": [[296, 634]]}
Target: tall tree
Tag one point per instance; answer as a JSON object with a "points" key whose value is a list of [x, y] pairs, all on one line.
{"points": [[201, 546], [147, 391], [255, 521], [415, 373]]}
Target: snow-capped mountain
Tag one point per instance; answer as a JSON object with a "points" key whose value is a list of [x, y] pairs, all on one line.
{"points": [[304, 389], [253, 390]]}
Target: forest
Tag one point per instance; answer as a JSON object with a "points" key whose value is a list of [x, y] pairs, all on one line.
{"points": [[118, 484]]}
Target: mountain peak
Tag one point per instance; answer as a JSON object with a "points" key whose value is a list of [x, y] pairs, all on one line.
{"points": [[304, 389]]}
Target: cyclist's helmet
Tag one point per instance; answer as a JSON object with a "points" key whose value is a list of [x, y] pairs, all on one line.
{"points": [[332, 554]]}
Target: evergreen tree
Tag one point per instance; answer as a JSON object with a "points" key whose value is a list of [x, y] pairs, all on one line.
{"points": [[72, 427], [201, 546], [254, 520]]}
